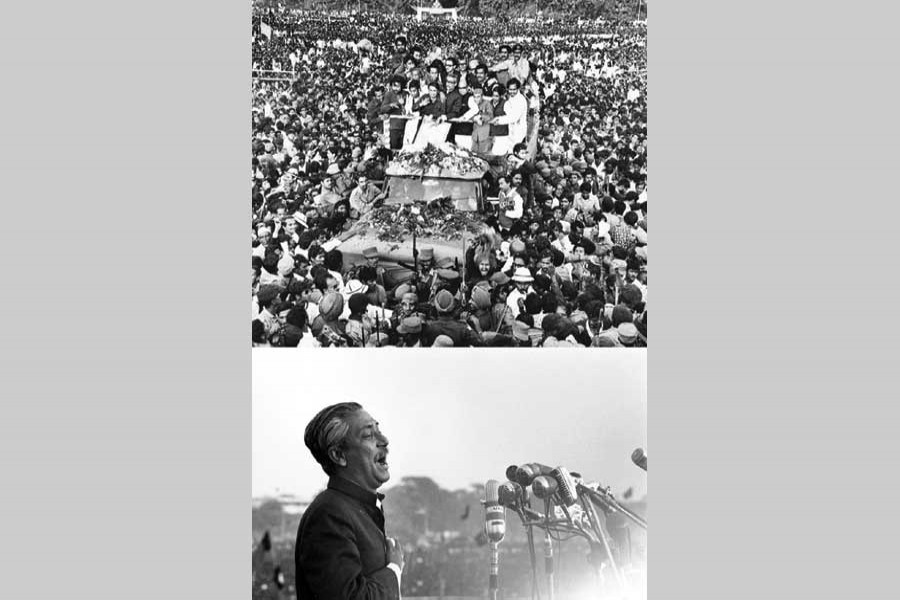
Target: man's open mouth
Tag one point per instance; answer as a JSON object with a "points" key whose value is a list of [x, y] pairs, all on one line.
{"points": [[381, 460]]}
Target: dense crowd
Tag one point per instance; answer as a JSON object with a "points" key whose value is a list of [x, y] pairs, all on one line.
{"points": [[562, 260]]}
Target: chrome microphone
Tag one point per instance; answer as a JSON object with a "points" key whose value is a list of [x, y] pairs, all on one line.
{"points": [[568, 493], [639, 457]]}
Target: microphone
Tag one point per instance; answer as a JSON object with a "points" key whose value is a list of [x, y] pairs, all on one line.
{"points": [[509, 493], [544, 486], [511, 472], [495, 529], [639, 458], [527, 472], [566, 485], [494, 513]]}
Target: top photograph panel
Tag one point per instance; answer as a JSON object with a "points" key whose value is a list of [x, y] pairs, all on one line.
{"points": [[456, 173]]}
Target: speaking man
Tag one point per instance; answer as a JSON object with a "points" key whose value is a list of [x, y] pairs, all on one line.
{"points": [[342, 552]]}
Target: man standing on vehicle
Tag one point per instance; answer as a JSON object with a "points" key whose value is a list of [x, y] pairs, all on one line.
{"points": [[516, 109], [392, 107], [341, 549]]}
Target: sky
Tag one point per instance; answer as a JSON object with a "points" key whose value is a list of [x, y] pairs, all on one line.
{"points": [[457, 416]]}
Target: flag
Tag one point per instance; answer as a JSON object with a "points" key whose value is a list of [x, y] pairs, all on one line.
{"points": [[265, 29]]}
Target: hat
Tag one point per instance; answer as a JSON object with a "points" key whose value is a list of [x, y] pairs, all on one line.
{"points": [[403, 288], [499, 278], [517, 247], [354, 286], [300, 217], [621, 314], [426, 254], [267, 293], [447, 274], [444, 263], [370, 252], [481, 297], [285, 265], [444, 301], [627, 333], [331, 306], [522, 275], [442, 341], [410, 325], [618, 263]]}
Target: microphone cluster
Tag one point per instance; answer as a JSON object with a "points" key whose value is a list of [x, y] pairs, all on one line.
{"points": [[569, 509]]}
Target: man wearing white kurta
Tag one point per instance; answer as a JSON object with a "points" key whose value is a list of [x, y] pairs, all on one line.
{"points": [[516, 108]]}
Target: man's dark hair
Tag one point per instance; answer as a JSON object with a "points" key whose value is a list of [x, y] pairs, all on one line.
{"points": [[334, 260], [366, 273], [329, 429], [631, 219]]}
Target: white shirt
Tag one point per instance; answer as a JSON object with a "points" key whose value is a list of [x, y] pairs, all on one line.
{"points": [[518, 204], [512, 300], [516, 109]]}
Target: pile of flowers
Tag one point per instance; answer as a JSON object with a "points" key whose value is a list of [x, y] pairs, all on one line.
{"points": [[445, 160], [435, 219]]}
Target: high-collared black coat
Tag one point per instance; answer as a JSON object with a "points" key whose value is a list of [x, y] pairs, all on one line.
{"points": [[341, 551]]}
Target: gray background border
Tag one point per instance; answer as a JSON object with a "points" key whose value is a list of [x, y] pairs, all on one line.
{"points": [[126, 397]]}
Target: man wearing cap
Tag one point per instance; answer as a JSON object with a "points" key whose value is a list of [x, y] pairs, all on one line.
{"points": [[447, 324], [516, 298], [427, 278], [410, 332], [341, 549], [370, 254]]}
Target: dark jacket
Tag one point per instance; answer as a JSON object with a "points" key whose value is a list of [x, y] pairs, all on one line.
{"points": [[457, 106], [341, 551]]}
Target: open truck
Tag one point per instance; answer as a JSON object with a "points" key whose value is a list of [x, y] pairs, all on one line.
{"points": [[436, 198]]}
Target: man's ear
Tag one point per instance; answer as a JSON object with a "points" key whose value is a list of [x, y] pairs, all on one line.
{"points": [[336, 455]]}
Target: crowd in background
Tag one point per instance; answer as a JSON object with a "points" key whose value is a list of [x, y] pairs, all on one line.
{"points": [[563, 260]]}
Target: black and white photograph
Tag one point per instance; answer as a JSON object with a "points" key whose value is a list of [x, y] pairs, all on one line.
{"points": [[454, 173], [530, 488]]}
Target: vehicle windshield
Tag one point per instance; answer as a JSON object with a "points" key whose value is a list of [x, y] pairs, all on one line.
{"points": [[465, 193]]}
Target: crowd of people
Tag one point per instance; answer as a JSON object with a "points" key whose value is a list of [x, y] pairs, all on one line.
{"points": [[562, 260]]}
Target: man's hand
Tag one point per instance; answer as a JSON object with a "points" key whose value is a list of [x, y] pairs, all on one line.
{"points": [[395, 553]]}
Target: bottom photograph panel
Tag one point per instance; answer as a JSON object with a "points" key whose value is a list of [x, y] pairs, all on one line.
{"points": [[430, 478]]}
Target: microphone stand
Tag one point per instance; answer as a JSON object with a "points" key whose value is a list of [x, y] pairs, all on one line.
{"points": [[607, 501], [548, 553], [529, 532], [598, 529], [494, 584]]}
